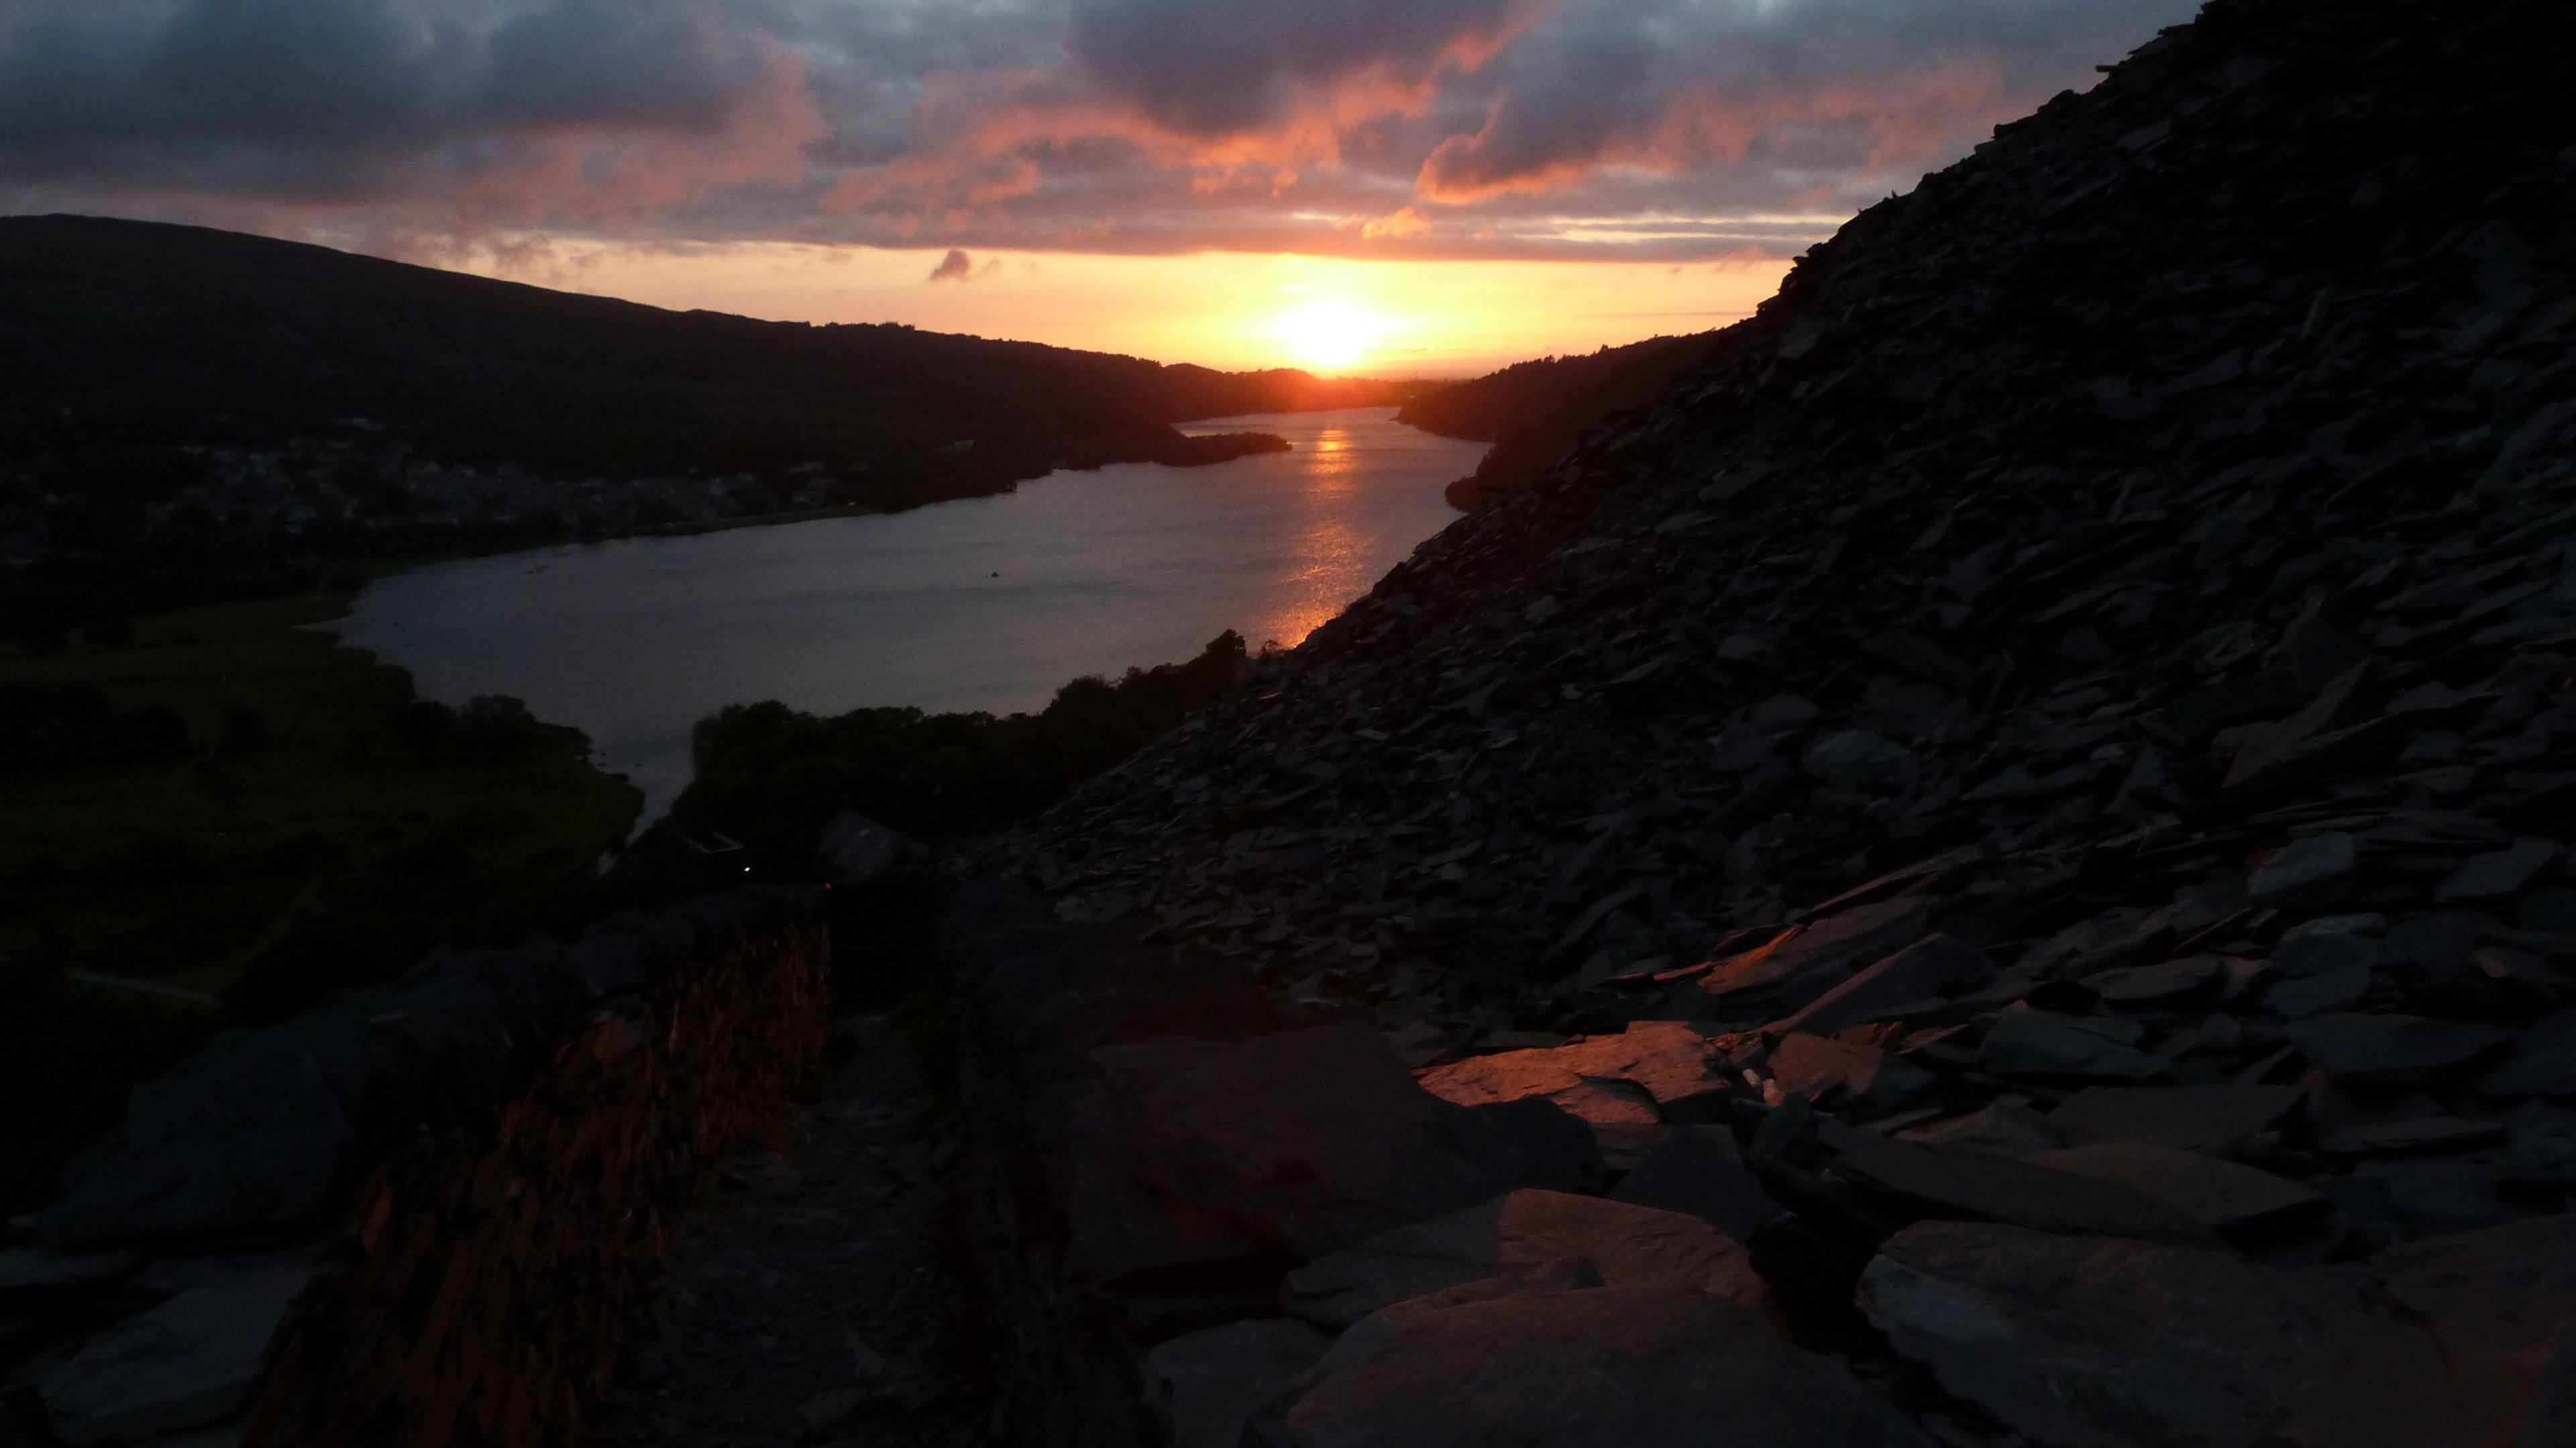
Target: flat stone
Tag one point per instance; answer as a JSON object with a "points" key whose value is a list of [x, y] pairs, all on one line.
{"points": [[2047, 1043], [2227, 1197], [186, 1363], [2314, 995], [1793, 971], [1856, 760], [1651, 1071], [1610, 1367], [1933, 967], [1817, 1065], [1193, 1156], [1517, 1234], [2188, 1118], [1206, 1385], [2325, 952], [2410, 1134], [1696, 1169], [2155, 984], [2440, 943], [34, 1271], [2541, 1061], [2540, 1148], [2007, 1128], [2393, 1049], [2316, 870], [2499, 875], [2000, 1188]]}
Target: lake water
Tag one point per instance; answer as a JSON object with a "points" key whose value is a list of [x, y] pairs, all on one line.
{"points": [[984, 603]]}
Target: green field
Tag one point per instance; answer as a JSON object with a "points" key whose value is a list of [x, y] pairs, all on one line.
{"points": [[316, 826]]}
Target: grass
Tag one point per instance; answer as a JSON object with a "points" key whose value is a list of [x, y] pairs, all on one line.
{"points": [[320, 826]]}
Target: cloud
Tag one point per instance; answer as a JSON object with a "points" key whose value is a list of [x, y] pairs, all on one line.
{"points": [[954, 267], [1671, 130]]}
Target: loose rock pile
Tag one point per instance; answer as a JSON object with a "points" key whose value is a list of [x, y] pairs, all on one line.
{"points": [[2034, 793]]}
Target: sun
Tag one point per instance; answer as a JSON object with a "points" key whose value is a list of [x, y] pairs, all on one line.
{"points": [[1329, 334]]}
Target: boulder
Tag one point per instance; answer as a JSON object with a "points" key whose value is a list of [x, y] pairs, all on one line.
{"points": [[1816, 1066], [1608, 1367], [1518, 1234], [252, 1133]]}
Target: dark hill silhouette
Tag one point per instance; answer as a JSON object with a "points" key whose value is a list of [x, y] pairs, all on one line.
{"points": [[149, 333], [1533, 411]]}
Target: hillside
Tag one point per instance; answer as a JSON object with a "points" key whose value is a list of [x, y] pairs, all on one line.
{"points": [[2060, 734], [189, 335], [1533, 411]]}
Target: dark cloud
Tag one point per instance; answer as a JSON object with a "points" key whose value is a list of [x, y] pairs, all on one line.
{"points": [[1220, 67], [309, 97], [954, 267], [1664, 129]]}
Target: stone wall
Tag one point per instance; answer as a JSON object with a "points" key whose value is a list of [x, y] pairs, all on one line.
{"points": [[423, 1212]]}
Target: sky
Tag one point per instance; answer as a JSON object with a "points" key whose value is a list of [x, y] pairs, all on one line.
{"points": [[1387, 187]]}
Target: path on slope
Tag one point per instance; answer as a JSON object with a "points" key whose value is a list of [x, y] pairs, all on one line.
{"points": [[812, 1301]]}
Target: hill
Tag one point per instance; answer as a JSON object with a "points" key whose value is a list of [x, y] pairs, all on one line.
{"points": [[2060, 734], [190, 415], [1533, 411], [184, 334]]}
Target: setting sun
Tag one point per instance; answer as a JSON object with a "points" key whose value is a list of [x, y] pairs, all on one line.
{"points": [[1329, 334]]}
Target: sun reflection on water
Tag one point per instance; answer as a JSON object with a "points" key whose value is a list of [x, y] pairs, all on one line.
{"points": [[1334, 554]]}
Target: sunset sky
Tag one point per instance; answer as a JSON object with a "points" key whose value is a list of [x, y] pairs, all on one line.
{"points": [[1379, 186]]}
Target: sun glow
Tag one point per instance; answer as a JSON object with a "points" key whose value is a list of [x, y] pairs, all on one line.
{"points": [[1330, 335]]}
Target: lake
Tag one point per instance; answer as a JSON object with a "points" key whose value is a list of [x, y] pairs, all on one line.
{"points": [[983, 603]]}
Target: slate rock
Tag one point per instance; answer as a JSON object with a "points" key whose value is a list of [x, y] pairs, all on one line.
{"points": [[2541, 1061], [2162, 984], [2393, 1049], [1514, 1235], [2327, 952], [2317, 870], [2233, 1200], [2499, 875], [1610, 1367], [2298, 997], [1793, 970], [2399, 1136], [1935, 966], [1857, 760], [2049, 1043], [1949, 1182], [2540, 1149], [1817, 1065], [1696, 1169], [1206, 1385], [188, 1362], [2004, 1127], [2186, 1118], [1190, 1155], [1673, 1072]]}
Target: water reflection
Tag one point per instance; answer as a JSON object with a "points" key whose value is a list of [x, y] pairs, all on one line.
{"points": [[988, 603]]}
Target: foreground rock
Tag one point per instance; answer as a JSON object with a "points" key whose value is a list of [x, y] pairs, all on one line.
{"points": [[2112, 1344], [1609, 1366]]}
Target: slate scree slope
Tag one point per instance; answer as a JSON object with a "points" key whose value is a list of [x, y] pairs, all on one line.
{"points": [[2027, 804]]}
